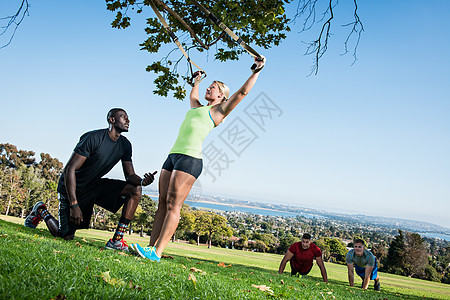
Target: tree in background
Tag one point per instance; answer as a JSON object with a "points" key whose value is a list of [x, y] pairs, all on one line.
{"points": [[431, 274], [32, 185], [267, 226], [380, 252], [2, 187], [51, 168], [12, 192], [337, 249], [24, 181], [199, 229], [187, 220], [443, 264], [50, 196], [11, 157], [324, 247], [408, 255], [264, 242], [102, 219], [395, 261], [149, 207], [210, 223], [285, 243], [416, 256], [259, 246], [242, 243], [141, 220]]}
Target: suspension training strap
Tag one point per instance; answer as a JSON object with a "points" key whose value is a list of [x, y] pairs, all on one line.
{"points": [[225, 28], [176, 41]]}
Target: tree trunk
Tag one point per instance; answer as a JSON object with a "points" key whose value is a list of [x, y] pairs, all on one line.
{"points": [[9, 205], [96, 215], [141, 234], [10, 197], [94, 218], [22, 214], [198, 240]]}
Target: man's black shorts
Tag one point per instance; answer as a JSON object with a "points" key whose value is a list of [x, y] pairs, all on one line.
{"points": [[104, 193]]}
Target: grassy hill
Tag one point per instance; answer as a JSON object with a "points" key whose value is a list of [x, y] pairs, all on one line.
{"points": [[37, 266]]}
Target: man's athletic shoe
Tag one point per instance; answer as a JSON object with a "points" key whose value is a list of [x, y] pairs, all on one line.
{"points": [[147, 252], [33, 219], [120, 245], [376, 286]]}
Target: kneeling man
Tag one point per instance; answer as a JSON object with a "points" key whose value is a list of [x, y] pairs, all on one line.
{"points": [[82, 184]]}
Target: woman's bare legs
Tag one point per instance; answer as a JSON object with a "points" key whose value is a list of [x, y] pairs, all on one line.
{"points": [[180, 185], [160, 215]]}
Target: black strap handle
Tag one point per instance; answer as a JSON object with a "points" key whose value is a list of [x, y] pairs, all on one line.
{"points": [[191, 80]]}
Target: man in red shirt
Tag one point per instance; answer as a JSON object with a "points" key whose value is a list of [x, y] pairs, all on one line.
{"points": [[301, 256]]}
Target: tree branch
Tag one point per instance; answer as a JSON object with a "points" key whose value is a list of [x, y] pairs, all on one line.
{"points": [[16, 19], [179, 19], [316, 46], [357, 28], [222, 34]]}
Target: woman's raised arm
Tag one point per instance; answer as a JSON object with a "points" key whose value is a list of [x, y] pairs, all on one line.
{"points": [[223, 109], [194, 96]]}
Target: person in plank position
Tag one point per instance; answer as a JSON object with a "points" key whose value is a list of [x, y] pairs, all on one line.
{"points": [[364, 263], [301, 255], [81, 184]]}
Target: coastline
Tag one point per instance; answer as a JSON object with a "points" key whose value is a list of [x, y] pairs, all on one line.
{"points": [[238, 205]]}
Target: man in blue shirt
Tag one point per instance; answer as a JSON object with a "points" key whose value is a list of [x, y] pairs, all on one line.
{"points": [[364, 263]]}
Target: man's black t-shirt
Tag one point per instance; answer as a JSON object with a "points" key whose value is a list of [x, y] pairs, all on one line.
{"points": [[102, 155]]}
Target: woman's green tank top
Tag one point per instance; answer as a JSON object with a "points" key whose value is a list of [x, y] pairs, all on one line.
{"points": [[194, 129]]}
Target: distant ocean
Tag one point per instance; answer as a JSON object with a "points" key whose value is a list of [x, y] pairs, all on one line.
{"points": [[251, 210], [436, 235]]}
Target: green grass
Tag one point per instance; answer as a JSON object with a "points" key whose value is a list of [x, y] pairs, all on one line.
{"points": [[34, 265]]}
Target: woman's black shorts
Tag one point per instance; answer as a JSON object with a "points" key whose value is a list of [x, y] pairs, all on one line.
{"points": [[185, 163]]}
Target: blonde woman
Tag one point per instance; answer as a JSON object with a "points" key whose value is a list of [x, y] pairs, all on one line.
{"points": [[184, 163]]}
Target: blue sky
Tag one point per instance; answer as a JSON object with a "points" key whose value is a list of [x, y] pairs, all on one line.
{"points": [[369, 138]]}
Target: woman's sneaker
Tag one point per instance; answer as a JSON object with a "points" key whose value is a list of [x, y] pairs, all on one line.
{"points": [[376, 286], [146, 252], [33, 219], [119, 245]]}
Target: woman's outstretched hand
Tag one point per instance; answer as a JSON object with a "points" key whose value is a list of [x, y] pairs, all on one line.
{"points": [[259, 64], [198, 76]]}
